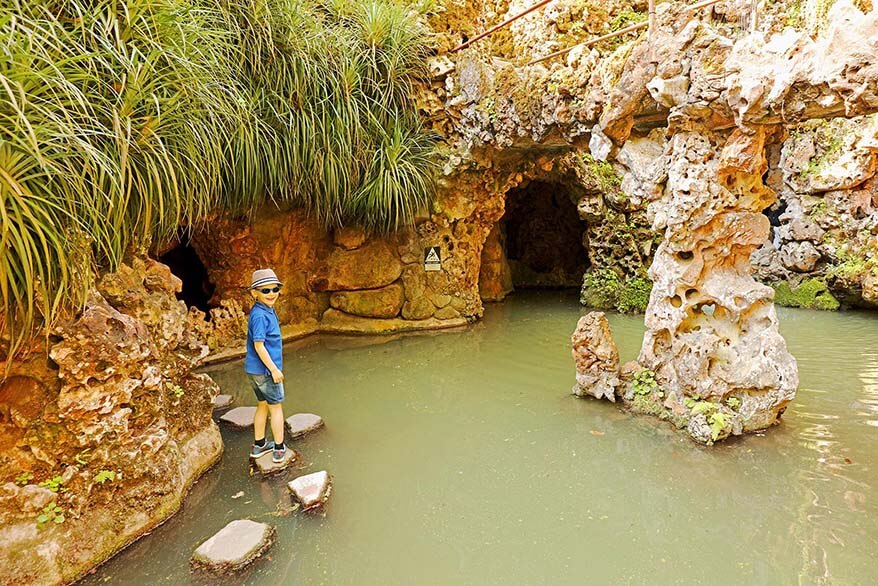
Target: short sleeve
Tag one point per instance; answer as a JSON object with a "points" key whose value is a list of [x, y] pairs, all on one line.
{"points": [[260, 326]]}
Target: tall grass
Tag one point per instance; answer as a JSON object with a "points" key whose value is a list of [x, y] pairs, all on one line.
{"points": [[122, 120]]}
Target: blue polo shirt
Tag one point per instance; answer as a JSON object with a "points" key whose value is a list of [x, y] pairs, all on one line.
{"points": [[262, 326]]}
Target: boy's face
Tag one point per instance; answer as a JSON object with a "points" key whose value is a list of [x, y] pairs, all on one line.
{"points": [[266, 294]]}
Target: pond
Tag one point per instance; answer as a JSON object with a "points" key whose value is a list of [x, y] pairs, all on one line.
{"points": [[461, 458]]}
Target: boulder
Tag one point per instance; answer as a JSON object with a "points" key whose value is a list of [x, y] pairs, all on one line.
{"points": [[221, 402], [235, 546], [349, 238], [239, 417], [596, 358], [799, 256], [265, 466], [385, 302], [374, 265], [312, 490], [301, 424]]}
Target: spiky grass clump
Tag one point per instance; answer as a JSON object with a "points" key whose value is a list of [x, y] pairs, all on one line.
{"points": [[121, 121]]}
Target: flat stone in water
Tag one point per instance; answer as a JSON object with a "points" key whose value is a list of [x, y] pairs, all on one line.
{"points": [[240, 417], [222, 402], [235, 546], [312, 490], [302, 424], [266, 467]]}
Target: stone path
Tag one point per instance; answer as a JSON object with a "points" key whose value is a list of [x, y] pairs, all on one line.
{"points": [[266, 467], [221, 402], [235, 546], [239, 417], [302, 424], [312, 490]]}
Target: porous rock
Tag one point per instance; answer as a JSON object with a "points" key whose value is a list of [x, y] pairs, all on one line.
{"points": [[312, 490], [596, 358], [234, 547]]}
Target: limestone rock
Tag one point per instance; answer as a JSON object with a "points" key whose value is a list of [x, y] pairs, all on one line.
{"points": [[799, 256], [221, 402], [374, 265], [239, 417], [596, 357], [312, 490], [235, 546], [265, 466], [301, 424], [417, 309], [350, 238], [384, 303]]}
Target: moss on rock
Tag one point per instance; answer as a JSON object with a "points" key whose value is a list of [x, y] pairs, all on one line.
{"points": [[810, 294]]}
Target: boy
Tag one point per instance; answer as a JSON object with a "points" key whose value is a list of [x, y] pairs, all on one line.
{"points": [[263, 364]]}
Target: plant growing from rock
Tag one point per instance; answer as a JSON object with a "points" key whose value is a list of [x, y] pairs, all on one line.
{"points": [[55, 484], [104, 475], [51, 513], [24, 478]]}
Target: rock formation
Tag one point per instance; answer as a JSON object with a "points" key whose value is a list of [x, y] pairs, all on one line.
{"points": [[104, 441]]}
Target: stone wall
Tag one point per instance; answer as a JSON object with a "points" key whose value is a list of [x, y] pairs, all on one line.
{"points": [[103, 428]]}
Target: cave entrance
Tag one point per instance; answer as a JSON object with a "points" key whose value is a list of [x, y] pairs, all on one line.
{"points": [[185, 263], [538, 243]]}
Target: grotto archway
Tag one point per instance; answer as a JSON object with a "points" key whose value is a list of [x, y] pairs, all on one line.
{"points": [[537, 243], [185, 263]]}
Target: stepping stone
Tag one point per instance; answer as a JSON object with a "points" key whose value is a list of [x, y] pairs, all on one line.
{"points": [[312, 490], [222, 402], [240, 417], [302, 424], [266, 467], [235, 546]]}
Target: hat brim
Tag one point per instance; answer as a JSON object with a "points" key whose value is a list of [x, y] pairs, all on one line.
{"points": [[266, 281]]}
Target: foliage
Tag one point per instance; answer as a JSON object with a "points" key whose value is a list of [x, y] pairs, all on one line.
{"points": [[644, 382], [718, 424], [810, 294], [104, 475], [626, 18], [55, 484], [24, 478], [177, 391], [733, 403], [603, 172], [123, 121], [52, 513], [604, 288], [83, 457]]}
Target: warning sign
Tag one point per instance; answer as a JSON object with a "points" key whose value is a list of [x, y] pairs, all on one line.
{"points": [[432, 261]]}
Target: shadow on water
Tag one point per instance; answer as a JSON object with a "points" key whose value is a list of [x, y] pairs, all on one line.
{"points": [[461, 458]]}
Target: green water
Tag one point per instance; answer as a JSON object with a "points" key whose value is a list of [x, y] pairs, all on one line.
{"points": [[461, 458]]}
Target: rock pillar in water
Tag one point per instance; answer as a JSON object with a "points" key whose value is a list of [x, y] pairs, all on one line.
{"points": [[596, 358], [712, 333]]}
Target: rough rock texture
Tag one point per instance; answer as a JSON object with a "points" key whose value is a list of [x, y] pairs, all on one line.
{"points": [[222, 402], [301, 424], [234, 547], [119, 397], [385, 302], [596, 358], [312, 490]]}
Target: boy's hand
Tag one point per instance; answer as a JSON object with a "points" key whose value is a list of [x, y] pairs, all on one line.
{"points": [[277, 376]]}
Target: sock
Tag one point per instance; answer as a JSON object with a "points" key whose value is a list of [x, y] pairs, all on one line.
{"points": [[260, 442], [278, 446]]}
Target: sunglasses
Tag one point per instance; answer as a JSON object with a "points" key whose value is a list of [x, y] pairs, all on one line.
{"points": [[272, 290]]}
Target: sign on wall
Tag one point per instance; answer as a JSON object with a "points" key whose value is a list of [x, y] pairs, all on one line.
{"points": [[432, 261]]}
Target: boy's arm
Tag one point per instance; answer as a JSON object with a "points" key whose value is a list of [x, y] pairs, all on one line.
{"points": [[276, 374]]}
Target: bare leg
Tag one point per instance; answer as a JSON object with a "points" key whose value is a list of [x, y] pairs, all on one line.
{"points": [[277, 422], [259, 420]]}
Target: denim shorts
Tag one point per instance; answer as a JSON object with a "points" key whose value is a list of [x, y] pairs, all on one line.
{"points": [[266, 389]]}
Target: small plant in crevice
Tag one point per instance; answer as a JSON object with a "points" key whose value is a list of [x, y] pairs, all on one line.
{"points": [[24, 478], [718, 424], [177, 391], [55, 484], [645, 383], [733, 403], [104, 475], [51, 513]]}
